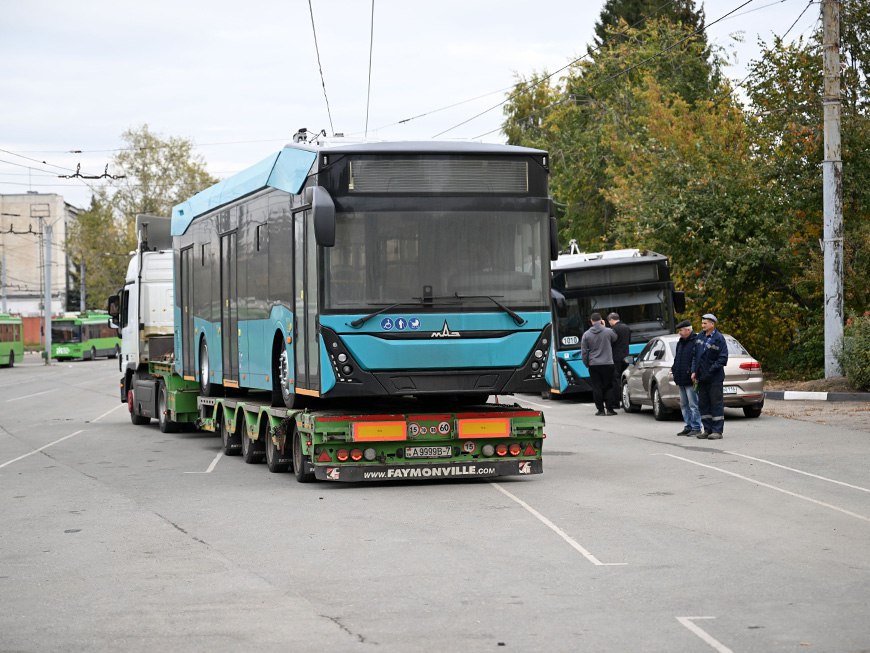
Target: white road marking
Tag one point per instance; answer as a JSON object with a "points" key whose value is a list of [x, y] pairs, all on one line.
{"points": [[708, 639], [36, 394], [210, 467], [573, 543], [107, 412], [771, 487], [50, 444], [798, 471]]}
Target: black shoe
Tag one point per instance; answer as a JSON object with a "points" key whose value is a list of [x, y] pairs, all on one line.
{"points": [[714, 436], [685, 431], [611, 412], [599, 413], [693, 434], [703, 436]]}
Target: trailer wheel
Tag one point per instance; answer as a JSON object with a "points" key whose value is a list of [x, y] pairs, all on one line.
{"points": [[232, 443], [302, 475], [273, 454], [163, 420], [205, 386], [252, 450], [135, 417]]}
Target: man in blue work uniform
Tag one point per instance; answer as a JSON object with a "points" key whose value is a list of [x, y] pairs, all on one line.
{"points": [[709, 374]]}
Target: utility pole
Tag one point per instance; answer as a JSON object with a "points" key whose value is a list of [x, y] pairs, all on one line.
{"points": [[47, 230], [832, 193], [82, 285]]}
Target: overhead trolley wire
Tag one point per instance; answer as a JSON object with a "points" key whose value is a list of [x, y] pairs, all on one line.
{"points": [[371, 47], [320, 67]]}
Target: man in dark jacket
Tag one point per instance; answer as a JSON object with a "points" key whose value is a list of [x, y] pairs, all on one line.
{"points": [[597, 353], [620, 351], [709, 373], [684, 362]]}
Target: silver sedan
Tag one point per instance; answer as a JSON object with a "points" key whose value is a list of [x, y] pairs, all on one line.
{"points": [[648, 380]]}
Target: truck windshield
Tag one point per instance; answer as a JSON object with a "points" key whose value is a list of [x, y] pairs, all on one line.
{"points": [[381, 258]]}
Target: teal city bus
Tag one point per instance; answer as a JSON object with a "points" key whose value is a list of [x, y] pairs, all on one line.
{"points": [[11, 339], [84, 336]]}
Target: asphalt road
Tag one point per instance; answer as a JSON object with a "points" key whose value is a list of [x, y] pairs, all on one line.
{"points": [[117, 537]]}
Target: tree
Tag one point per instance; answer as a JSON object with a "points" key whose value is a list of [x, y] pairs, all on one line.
{"points": [[159, 173], [616, 15]]}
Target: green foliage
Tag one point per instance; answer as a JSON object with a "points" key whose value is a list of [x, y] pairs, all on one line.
{"points": [[855, 355], [160, 173], [634, 12], [805, 359]]}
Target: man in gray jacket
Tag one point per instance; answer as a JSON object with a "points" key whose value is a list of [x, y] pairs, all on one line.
{"points": [[596, 349]]}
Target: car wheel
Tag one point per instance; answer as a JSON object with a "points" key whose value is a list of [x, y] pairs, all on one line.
{"points": [[626, 400], [659, 411], [753, 411]]}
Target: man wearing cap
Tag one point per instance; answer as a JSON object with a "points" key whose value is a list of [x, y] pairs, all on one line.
{"points": [[709, 374], [684, 363]]}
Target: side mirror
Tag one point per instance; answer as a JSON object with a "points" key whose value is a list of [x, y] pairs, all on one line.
{"points": [[631, 359], [113, 308], [679, 301], [324, 216], [554, 239]]}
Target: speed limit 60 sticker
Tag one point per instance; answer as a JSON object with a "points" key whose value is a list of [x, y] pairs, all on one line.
{"points": [[442, 428]]}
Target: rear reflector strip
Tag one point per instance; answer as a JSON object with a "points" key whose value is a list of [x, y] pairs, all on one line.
{"points": [[387, 431], [484, 428]]}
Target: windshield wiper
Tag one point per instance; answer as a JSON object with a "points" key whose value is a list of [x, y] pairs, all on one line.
{"points": [[516, 317]]}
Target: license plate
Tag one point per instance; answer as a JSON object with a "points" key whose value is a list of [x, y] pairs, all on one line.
{"points": [[729, 390], [428, 452]]}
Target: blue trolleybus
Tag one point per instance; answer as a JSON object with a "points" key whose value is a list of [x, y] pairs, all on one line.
{"points": [[368, 270], [634, 283]]}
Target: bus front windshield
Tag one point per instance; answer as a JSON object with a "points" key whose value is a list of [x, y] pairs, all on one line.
{"points": [[643, 311], [458, 258], [65, 332]]}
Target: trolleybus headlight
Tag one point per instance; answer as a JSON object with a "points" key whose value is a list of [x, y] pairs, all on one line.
{"points": [[501, 450], [356, 455], [347, 370], [536, 365], [342, 357], [369, 454], [487, 450], [539, 354]]}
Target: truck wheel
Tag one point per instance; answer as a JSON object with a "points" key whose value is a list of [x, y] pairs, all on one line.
{"points": [[135, 417], [232, 443], [252, 450], [273, 454], [163, 419], [626, 400], [660, 412], [205, 386], [302, 475]]}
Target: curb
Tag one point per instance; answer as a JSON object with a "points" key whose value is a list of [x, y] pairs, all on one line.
{"points": [[794, 395]]}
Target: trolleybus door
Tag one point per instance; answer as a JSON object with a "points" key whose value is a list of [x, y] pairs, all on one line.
{"points": [[229, 308], [306, 340], [185, 302]]}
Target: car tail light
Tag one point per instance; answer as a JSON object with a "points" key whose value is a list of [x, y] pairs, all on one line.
{"points": [[750, 365], [515, 449]]}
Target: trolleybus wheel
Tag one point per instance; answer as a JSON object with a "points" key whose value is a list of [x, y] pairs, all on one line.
{"points": [[282, 395], [232, 443], [163, 420], [93, 353], [11, 359], [302, 475], [205, 385], [115, 352]]}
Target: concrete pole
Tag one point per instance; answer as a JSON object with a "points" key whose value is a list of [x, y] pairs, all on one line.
{"points": [[3, 281], [82, 285], [47, 300], [832, 193]]}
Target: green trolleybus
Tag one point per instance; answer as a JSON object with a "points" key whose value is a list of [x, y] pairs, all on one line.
{"points": [[11, 339], [84, 336]]}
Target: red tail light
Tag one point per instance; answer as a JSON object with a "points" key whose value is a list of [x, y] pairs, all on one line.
{"points": [[515, 449], [751, 365], [342, 455], [356, 454], [501, 450]]}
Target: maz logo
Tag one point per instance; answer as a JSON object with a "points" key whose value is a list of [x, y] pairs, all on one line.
{"points": [[445, 332]]}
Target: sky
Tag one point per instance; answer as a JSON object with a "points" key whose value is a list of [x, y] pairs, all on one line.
{"points": [[239, 78]]}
